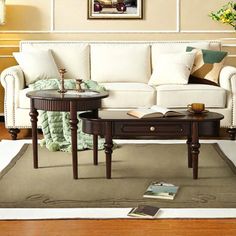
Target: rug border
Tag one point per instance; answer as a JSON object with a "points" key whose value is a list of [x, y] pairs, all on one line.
{"points": [[13, 161], [224, 157]]}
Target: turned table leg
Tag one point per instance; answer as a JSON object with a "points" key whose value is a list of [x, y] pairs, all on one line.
{"points": [[33, 118], [74, 128], [108, 148], [95, 149], [95, 142], [195, 149], [189, 142]]}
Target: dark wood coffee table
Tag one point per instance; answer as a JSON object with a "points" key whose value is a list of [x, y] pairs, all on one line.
{"points": [[52, 100], [117, 124]]}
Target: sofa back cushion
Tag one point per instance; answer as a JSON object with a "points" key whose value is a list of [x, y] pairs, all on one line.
{"points": [[71, 55], [178, 47], [120, 62], [111, 61]]}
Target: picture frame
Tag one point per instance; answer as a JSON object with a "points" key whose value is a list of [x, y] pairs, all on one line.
{"points": [[115, 9]]}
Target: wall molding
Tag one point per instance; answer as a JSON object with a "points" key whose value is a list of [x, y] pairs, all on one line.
{"points": [[207, 31], [178, 16], [6, 56], [52, 25], [113, 31], [8, 46], [54, 31]]}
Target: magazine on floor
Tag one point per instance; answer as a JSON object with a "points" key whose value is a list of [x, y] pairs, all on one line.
{"points": [[161, 190], [144, 211]]}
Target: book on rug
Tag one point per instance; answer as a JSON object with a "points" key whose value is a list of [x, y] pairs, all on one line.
{"points": [[161, 190], [153, 111], [144, 211]]}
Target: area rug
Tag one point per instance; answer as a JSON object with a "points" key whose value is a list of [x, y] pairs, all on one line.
{"points": [[134, 167]]}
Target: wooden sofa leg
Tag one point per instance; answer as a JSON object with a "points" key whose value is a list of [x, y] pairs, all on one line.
{"points": [[232, 132], [14, 133]]}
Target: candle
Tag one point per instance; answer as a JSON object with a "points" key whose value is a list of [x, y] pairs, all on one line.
{"points": [[62, 73]]}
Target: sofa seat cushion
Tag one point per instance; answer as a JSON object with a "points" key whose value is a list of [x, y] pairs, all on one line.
{"points": [[129, 95], [121, 95], [179, 96]]}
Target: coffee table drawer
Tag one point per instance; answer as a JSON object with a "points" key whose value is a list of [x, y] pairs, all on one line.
{"points": [[122, 128]]}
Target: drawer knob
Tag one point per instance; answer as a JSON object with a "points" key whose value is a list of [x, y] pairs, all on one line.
{"points": [[152, 128]]}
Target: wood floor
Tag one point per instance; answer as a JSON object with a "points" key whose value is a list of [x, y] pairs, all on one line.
{"points": [[186, 227]]}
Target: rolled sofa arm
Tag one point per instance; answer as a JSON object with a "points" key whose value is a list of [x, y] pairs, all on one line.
{"points": [[12, 79], [227, 74], [10, 75], [227, 81]]}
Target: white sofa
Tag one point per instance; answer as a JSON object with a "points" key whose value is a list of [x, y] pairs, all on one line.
{"points": [[124, 68]]}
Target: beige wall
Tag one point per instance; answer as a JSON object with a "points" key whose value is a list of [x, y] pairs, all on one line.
{"points": [[71, 15], [67, 20], [77, 19], [194, 15]]}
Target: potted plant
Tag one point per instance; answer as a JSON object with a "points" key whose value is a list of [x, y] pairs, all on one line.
{"points": [[226, 15]]}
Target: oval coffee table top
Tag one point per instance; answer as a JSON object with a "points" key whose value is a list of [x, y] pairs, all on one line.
{"points": [[70, 95], [123, 116]]}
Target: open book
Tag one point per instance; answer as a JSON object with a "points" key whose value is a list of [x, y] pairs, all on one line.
{"points": [[154, 111]]}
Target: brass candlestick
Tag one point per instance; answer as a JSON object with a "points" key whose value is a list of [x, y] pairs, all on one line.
{"points": [[78, 85], [62, 73]]}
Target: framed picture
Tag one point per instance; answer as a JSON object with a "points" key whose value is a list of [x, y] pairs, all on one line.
{"points": [[115, 9]]}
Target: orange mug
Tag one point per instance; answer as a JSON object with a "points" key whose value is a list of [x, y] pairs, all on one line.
{"points": [[197, 107]]}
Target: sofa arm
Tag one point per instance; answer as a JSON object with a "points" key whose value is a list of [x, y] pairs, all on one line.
{"points": [[227, 81], [227, 76], [12, 79], [13, 75]]}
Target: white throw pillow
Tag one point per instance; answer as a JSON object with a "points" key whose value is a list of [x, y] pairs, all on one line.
{"points": [[172, 68], [37, 64]]}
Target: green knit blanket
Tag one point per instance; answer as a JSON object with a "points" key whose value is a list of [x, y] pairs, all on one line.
{"points": [[55, 125]]}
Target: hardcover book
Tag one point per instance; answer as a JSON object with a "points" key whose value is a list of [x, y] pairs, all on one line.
{"points": [[154, 111], [144, 210], [161, 190]]}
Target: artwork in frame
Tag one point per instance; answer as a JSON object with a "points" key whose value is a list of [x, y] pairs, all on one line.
{"points": [[115, 9]]}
